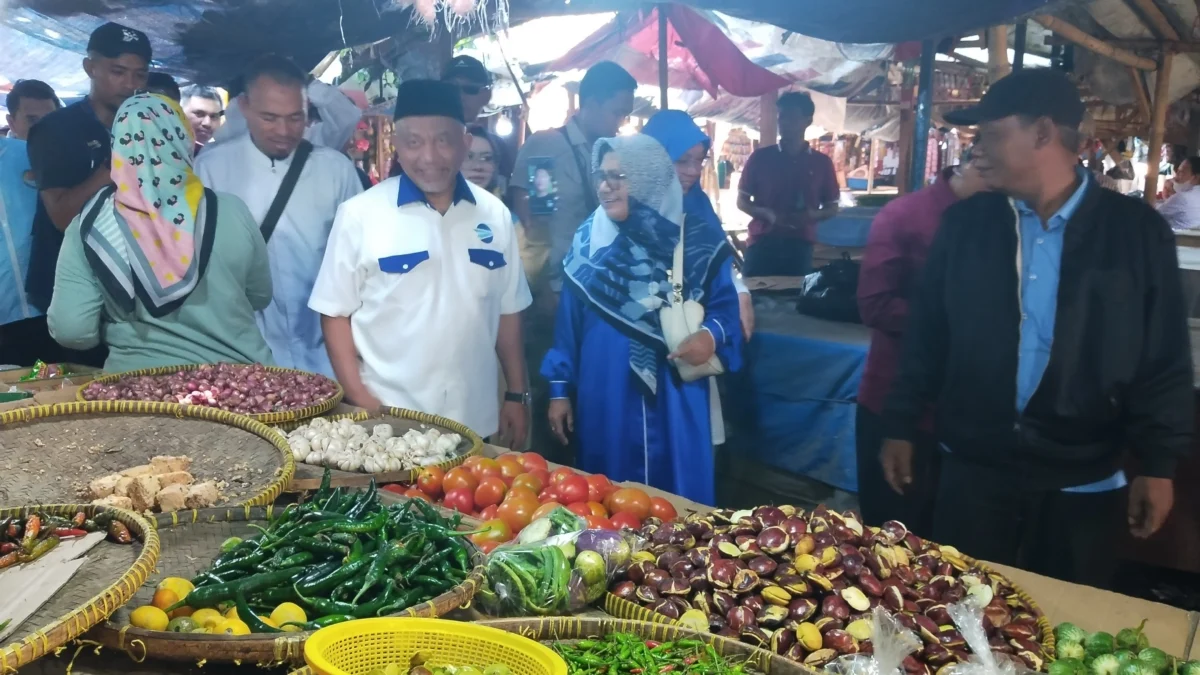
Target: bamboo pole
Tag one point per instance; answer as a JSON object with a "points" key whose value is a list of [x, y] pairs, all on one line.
{"points": [[1139, 90], [1097, 45], [998, 52], [1158, 124], [1157, 20]]}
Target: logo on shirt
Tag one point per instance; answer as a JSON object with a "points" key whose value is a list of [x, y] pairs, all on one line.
{"points": [[484, 233]]}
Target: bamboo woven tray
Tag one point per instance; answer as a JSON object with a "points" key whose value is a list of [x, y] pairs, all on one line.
{"points": [[266, 418], [65, 446], [625, 609], [191, 539], [106, 581], [553, 629], [308, 476]]}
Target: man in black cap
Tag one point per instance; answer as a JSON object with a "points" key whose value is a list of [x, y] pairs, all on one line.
{"points": [[421, 289], [69, 152], [1050, 331], [474, 84]]}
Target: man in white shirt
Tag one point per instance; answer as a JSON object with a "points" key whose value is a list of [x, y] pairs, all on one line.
{"points": [[253, 166], [421, 288], [1182, 209]]}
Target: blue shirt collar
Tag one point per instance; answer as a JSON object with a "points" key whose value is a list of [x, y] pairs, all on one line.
{"points": [[1068, 209], [409, 193]]}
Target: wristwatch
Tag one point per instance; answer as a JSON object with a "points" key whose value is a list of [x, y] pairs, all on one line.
{"points": [[524, 398]]}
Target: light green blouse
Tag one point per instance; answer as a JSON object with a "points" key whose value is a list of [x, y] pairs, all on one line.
{"points": [[215, 323]]}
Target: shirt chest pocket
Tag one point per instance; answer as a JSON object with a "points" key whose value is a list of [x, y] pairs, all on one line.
{"points": [[400, 279], [484, 271]]}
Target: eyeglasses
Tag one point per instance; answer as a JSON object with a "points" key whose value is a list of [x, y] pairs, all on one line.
{"points": [[615, 179], [474, 89]]}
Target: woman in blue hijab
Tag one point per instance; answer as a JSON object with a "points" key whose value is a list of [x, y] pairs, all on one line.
{"points": [[614, 384], [688, 147]]}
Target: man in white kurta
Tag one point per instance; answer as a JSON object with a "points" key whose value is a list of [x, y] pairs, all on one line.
{"points": [[422, 289], [252, 166]]}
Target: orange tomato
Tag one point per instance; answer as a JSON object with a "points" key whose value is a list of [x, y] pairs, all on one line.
{"points": [[580, 509], [164, 598], [485, 467], [630, 500], [595, 522], [487, 546], [490, 492], [528, 480], [459, 477], [533, 461], [662, 509], [598, 509], [599, 487], [560, 474], [488, 513], [414, 493], [472, 461], [542, 475], [517, 513], [494, 530], [521, 492], [544, 510], [510, 468], [430, 481]]}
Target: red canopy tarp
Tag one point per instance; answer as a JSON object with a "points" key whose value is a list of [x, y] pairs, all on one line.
{"points": [[631, 40]]}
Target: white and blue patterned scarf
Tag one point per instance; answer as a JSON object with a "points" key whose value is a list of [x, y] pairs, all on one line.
{"points": [[620, 269]]}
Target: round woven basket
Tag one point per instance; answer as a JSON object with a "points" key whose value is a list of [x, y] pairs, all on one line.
{"points": [[191, 539], [549, 630], [105, 582], [75, 443], [266, 418], [401, 421]]}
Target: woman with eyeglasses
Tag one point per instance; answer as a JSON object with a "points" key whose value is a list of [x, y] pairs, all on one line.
{"points": [[614, 382]]}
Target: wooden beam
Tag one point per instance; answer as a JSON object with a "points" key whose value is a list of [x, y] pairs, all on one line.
{"points": [[1158, 125], [998, 65], [1097, 45], [1150, 44], [1156, 19], [1139, 90]]}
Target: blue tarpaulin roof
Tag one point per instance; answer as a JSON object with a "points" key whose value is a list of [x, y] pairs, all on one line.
{"points": [[208, 40]]}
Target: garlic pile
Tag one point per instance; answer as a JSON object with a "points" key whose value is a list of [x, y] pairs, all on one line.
{"points": [[345, 445]]}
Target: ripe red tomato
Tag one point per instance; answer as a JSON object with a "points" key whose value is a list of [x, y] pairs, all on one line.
{"points": [[595, 522], [460, 499], [414, 493], [397, 488], [488, 513], [573, 489], [487, 546], [490, 492], [494, 530], [625, 519], [485, 467], [598, 509], [517, 513], [580, 509], [662, 509], [542, 475], [521, 492], [545, 509], [561, 473], [533, 461], [459, 477], [548, 495], [430, 481], [599, 487], [471, 461], [530, 481], [510, 468], [630, 500]]}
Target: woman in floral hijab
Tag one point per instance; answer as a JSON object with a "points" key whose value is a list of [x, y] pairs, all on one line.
{"points": [[162, 270]]}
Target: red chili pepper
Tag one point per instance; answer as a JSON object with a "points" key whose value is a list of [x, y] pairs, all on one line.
{"points": [[14, 529], [7, 548], [636, 671], [651, 644], [667, 668], [8, 560], [67, 532], [33, 526], [691, 660]]}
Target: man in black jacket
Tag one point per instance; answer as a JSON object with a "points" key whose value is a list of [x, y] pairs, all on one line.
{"points": [[1051, 333]]}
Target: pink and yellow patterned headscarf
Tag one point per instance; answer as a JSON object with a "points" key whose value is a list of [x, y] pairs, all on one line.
{"points": [[152, 243]]}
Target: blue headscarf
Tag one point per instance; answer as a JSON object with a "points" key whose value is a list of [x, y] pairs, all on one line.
{"points": [[620, 269], [678, 133]]}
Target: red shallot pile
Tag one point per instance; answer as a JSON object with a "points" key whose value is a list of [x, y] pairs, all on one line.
{"points": [[245, 389]]}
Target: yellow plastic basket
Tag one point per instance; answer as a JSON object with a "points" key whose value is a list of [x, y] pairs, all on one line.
{"points": [[358, 647]]}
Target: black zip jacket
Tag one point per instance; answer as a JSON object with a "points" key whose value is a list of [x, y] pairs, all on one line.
{"points": [[1120, 370]]}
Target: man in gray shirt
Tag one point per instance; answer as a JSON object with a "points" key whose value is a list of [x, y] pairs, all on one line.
{"points": [[551, 194]]}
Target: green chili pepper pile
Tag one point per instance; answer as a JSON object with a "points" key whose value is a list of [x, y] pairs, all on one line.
{"points": [[340, 555], [26, 539], [628, 654]]}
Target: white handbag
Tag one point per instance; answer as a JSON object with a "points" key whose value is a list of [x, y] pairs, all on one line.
{"points": [[682, 318]]}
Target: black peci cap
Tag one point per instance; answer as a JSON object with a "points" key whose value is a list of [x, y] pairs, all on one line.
{"points": [[1031, 92], [428, 98], [469, 69], [112, 40]]}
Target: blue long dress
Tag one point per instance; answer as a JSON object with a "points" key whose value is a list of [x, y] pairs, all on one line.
{"points": [[663, 440]]}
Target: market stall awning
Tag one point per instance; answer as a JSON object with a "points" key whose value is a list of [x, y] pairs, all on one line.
{"points": [[700, 56]]}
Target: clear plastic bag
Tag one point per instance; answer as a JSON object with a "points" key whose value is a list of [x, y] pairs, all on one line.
{"points": [[891, 643], [560, 575], [968, 616]]}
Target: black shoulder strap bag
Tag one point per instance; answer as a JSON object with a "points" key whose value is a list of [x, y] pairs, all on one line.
{"points": [[589, 190], [285, 189]]}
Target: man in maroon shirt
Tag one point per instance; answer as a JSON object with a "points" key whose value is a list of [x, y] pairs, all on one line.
{"points": [[787, 189], [900, 237]]}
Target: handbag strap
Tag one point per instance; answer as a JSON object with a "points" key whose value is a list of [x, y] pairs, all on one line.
{"points": [[285, 190], [589, 190], [676, 276]]}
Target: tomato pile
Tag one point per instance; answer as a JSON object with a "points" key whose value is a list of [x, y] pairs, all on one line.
{"points": [[516, 488]]}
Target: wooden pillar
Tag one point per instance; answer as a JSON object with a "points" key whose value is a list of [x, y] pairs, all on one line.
{"points": [[907, 122], [663, 75], [873, 148], [1158, 124], [924, 117], [997, 52], [768, 119]]}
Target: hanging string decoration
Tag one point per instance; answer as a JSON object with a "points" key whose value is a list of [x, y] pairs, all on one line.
{"points": [[491, 15]]}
